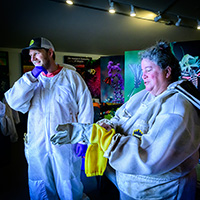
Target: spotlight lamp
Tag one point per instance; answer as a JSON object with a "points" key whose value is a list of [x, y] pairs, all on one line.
{"points": [[178, 21], [132, 13], [158, 17], [111, 9], [198, 26], [69, 2]]}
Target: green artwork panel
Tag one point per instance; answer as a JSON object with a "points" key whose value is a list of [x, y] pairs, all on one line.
{"points": [[133, 82]]}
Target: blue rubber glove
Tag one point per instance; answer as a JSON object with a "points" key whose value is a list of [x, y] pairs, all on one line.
{"points": [[81, 149], [37, 70]]}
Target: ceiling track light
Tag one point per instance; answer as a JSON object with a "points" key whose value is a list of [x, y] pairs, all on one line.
{"points": [[198, 24], [158, 17], [112, 9], [69, 2], [132, 13], [178, 21]]}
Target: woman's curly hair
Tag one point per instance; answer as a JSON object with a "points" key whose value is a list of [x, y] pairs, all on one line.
{"points": [[162, 55]]}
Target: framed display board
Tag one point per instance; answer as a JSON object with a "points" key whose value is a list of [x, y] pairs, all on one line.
{"points": [[188, 55], [78, 62], [133, 74], [26, 63], [4, 75], [112, 79]]}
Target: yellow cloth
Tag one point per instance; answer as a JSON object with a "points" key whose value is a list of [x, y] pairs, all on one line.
{"points": [[95, 163]]}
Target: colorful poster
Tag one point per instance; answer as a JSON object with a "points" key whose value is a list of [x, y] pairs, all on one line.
{"points": [[133, 74], [112, 79], [78, 62], [93, 78], [188, 55], [188, 47]]}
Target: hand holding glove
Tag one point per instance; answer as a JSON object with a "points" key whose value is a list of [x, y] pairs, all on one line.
{"points": [[107, 124], [81, 149], [99, 138], [37, 70], [72, 133]]}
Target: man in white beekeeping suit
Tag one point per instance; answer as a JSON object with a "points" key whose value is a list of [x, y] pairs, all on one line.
{"points": [[52, 94]]}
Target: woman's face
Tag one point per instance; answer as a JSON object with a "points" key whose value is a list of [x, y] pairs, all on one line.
{"points": [[155, 79]]}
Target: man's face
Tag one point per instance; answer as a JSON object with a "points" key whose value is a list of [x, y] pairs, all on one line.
{"points": [[154, 77], [39, 57]]}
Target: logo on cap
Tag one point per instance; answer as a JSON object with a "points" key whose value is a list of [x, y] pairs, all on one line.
{"points": [[31, 42]]}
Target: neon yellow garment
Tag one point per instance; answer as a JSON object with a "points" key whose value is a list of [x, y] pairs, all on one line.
{"points": [[95, 163]]}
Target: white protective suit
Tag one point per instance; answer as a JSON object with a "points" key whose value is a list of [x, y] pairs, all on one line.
{"points": [[160, 165], [2, 109], [8, 121], [54, 171]]}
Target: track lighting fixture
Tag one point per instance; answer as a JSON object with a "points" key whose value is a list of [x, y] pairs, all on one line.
{"points": [[162, 16], [132, 13], [69, 2], [198, 26], [111, 9], [158, 17], [178, 21]]}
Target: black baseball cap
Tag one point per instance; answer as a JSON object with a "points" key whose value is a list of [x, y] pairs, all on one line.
{"points": [[38, 43]]}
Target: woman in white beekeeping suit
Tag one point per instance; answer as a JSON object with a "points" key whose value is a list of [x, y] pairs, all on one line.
{"points": [[155, 148], [52, 94]]}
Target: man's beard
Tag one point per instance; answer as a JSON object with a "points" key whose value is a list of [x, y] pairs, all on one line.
{"points": [[46, 64]]}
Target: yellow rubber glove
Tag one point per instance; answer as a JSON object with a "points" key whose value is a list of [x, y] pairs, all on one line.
{"points": [[95, 163]]}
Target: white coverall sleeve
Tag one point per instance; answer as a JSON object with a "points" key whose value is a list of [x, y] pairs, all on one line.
{"points": [[170, 141], [84, 101], [2, 109], [118, 114], [19, 96]]}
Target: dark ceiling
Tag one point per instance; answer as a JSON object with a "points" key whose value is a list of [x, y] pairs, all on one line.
{"points": [[87, 26]]}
